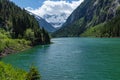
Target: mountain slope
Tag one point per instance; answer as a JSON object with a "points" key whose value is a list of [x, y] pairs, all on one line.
{"points": [[17, 21], [43, 23], [56, 20], [18, 29], [90, 14]]}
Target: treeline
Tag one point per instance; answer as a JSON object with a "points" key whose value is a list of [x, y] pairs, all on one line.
{"points": [[20, 24]]}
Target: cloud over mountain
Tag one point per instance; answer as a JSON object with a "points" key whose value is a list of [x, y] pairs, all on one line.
{"points": [[56, 8]]}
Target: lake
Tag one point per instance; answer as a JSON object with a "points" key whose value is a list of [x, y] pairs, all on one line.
{"points": [[73, 59]]}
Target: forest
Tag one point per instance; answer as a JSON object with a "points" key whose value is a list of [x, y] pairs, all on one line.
{"points": [[19, 28]]}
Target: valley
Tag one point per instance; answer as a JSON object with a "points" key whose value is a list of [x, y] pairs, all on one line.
{"points": [[59, 40]]}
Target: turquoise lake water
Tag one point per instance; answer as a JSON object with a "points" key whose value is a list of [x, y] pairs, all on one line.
{"points": [[73, 59]]}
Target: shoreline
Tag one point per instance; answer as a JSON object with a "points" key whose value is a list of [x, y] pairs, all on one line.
{"points": [[8, 51]]}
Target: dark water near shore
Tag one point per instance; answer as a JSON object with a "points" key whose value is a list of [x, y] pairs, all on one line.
{"points": [[73, 59]]}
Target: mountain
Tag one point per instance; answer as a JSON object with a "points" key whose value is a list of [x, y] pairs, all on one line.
{"points": [[98, 18], [56, 20], [18, 24], [43, 23]]}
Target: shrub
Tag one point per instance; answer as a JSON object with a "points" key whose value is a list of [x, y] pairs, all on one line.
{"points": [[33, 74]]}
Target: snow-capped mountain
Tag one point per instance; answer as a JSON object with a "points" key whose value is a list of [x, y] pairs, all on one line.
{"points": [[43, 23], [55, 11], [56, 20]]}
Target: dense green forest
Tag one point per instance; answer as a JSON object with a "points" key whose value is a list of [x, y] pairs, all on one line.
{"points": [[19, 29], [96, 18]]}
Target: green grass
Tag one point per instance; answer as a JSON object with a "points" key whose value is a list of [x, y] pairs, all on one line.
{"points": [[96, 31], [7, 72], [15, 44]]}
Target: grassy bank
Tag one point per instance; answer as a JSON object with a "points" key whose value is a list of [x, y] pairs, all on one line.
{"points": [[8, 72], [9, 45]]}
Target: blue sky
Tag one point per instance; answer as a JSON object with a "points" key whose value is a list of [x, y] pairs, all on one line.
{"points": [[32, 3], [50, 7], [28, 3]]}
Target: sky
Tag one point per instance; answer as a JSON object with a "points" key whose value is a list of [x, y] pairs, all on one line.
{"points": [[42, 7], [34, 3], [49, 7]]}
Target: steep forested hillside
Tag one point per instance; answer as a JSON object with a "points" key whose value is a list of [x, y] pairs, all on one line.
{"points": [[19, 28], [98, 18]]}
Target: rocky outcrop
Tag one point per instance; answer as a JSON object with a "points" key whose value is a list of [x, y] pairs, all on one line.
{"points": [[7, 51]]}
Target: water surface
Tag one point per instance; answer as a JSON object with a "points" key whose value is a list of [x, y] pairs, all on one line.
{"points": [[73, 59]]}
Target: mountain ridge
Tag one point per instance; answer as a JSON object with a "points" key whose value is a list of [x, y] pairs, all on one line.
{"points": [[88, 14], [56, 20], [43, 23]]}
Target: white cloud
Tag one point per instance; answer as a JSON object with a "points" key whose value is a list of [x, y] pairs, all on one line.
{"points": [[55, 8]]}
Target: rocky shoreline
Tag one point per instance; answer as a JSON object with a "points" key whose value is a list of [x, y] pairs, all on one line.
{"points": [[8, 51]]}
